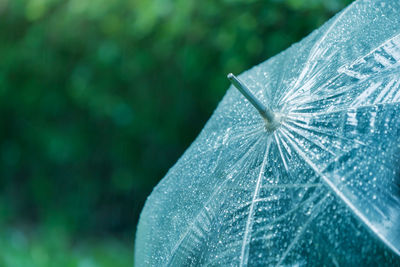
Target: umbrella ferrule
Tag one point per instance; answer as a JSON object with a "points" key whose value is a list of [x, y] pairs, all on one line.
{"points": [[270, 118], [272, 125]]}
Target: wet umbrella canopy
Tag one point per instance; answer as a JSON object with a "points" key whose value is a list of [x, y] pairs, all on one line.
{"points": [[313, 181]]}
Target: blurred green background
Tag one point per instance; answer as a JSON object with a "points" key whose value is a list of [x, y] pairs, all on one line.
{"points": [[99, 98]]}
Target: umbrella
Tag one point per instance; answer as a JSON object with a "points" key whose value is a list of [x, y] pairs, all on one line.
{"points": [[303, 172]]}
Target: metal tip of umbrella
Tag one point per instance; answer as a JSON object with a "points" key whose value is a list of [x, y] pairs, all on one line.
{"points": [[271, 121]]}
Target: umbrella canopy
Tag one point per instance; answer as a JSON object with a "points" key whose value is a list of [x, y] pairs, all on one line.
{"points": [[321, 186]]}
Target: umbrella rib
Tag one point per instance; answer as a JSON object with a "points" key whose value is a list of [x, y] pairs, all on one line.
{"points": [[317, 143], [327, 133], [323, 98], [246, 134], [215, 192], [340, 92], [246, 153], [311, 56], [298, 97], [355, 210], [350, 108], [341, 72], [281, 153], [247, 235]]}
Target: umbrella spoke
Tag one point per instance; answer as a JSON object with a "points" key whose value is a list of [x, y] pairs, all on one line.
{"points": [[305, 134], [344, 194], [249, 223], [361, 69], [194, 224], [330, 133], [237, 165], [353, 95], [360, 126], [282, 156], [246, 134]]}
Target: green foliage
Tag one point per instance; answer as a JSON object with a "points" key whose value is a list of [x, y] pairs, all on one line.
{"points": [[55, 249], [99, 98]]}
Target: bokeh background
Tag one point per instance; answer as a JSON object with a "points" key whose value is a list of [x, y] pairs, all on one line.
{"points": [[99, 98]]}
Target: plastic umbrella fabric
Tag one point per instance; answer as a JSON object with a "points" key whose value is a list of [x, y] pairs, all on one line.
{"points": [[319, 187]]}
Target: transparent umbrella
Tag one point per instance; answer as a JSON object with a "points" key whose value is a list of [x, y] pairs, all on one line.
{"points": [[312, 178]]}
